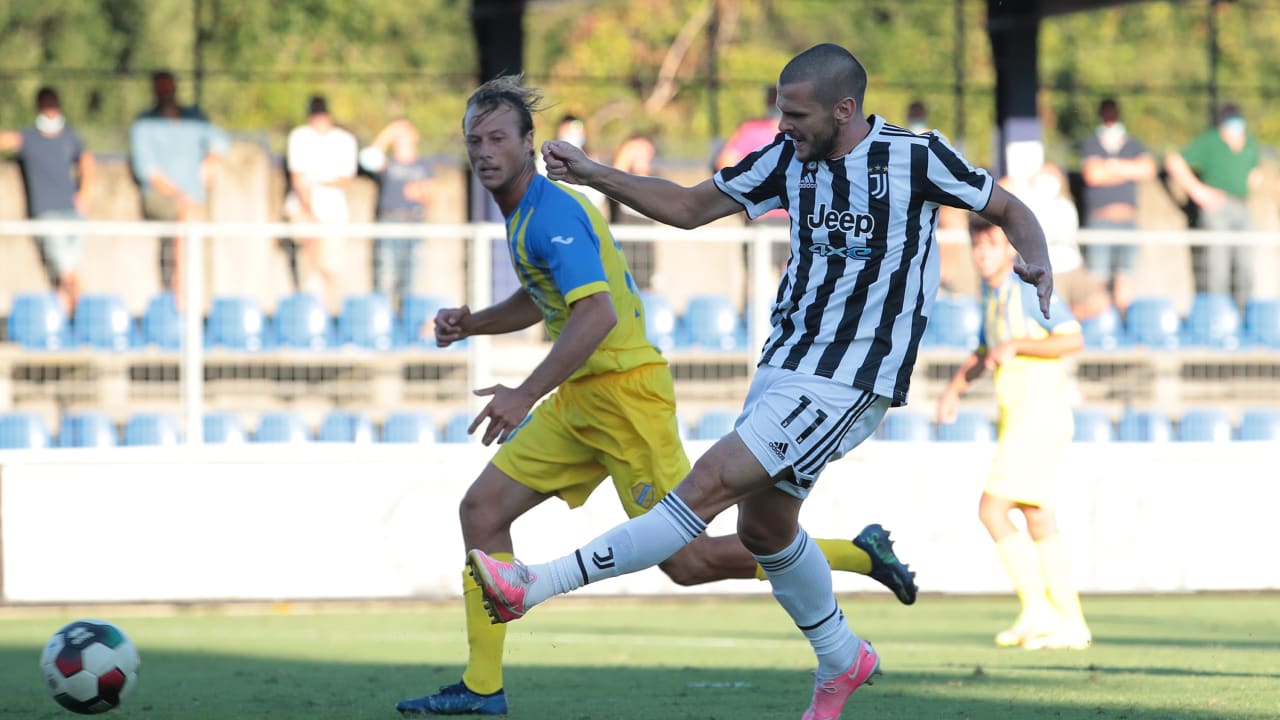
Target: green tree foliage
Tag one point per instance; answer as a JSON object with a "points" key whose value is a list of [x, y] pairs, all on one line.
{"points": [[624, 66]]}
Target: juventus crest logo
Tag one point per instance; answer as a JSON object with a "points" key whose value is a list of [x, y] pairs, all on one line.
{"points": [[878, 181]]}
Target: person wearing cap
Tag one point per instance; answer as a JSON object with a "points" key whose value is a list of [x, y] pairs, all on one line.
{"points": [[1218, 169], [321, 160], [57, 173], [173, 149]]}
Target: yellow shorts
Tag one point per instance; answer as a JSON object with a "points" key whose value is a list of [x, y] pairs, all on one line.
{"points": [[620, 425], [1029, 452]]}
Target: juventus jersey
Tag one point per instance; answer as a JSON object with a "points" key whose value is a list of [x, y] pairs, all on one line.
{"points": [[863, 273]]}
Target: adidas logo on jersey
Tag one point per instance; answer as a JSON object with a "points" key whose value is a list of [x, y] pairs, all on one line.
{"points": [[779, 449]]}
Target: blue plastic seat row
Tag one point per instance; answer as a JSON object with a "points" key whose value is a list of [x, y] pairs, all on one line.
{"points": [[1093, 425], [101, 321], [96, 429], [710, 321]]}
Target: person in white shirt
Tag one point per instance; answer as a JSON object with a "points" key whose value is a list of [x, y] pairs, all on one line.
{"points": [[321, 160]]}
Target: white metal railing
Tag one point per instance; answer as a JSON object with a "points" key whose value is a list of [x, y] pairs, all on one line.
{"points": [[479, 237]]}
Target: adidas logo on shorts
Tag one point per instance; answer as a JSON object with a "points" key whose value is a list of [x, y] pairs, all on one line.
{"points": [[779, 449]]}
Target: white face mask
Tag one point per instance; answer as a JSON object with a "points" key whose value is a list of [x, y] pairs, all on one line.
{"points": [[50, 125], [1111, 137], [1234, 126], [918, 126]]}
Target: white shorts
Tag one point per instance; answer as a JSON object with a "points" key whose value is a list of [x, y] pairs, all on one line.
{"points": [[800, 422]]}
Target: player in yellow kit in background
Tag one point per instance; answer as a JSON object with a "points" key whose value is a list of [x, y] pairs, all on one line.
{"points": [[1025, 350], [611, 407]]}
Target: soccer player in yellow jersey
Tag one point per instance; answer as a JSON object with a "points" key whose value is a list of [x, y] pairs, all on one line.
{"points": [[1025, 350], [609, 407]]}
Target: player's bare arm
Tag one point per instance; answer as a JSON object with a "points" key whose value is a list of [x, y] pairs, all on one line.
{"points": [[517, 312], [1053, 346], [590, 320], [971, 369], [1026, 235], [656, 198]]}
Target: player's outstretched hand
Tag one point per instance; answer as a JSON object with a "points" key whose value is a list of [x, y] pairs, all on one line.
{"points": [[1042, 278], [448, 325], [508, 408], [567, 162]]}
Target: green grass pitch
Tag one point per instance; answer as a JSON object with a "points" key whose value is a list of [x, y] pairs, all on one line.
{"points": [[1189, 657]]}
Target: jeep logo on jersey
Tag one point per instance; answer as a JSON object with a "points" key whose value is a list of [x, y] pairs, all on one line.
{"points": [[860, 224]]}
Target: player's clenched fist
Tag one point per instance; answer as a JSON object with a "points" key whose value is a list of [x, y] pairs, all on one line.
{"points": [[449, 325], [567, 163]]}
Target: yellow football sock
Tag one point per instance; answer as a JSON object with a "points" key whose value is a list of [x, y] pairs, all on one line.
{"points": [[485, 640], [840, 554], [1057, 578], [1018, 554]]}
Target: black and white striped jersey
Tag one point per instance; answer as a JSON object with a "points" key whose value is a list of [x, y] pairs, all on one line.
{"points": [[864, 267]]}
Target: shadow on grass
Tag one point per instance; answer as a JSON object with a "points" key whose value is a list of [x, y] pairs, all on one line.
{"points": [[224, 687]]}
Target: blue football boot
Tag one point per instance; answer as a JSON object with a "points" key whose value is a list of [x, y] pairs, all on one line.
{"points": [[456, 699]]}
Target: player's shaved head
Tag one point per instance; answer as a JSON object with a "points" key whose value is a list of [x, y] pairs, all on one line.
{"points": [[834, 72], [509, 91]]}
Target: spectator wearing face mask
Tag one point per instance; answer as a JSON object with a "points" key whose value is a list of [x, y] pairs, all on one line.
{"points": [[918, 117], [58, 175], [1218, 170], [1113, 163], [1042, 186]]}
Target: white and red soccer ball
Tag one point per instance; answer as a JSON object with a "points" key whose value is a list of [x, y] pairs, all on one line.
{"points": [[90, 666]]}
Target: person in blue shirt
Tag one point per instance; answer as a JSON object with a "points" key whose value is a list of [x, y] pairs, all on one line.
{"points": [[172, 150]]}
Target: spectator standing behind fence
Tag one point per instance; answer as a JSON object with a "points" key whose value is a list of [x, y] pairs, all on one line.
{"points": [[1112, 164], [635, 155], [1042, 186], [58, 175], [1024, 349], [321, 159], [1218, 170], [173, 151], [404, 180]]}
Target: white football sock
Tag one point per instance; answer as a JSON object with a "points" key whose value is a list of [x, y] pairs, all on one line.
{"points": [[639, 543], [801, 580]]}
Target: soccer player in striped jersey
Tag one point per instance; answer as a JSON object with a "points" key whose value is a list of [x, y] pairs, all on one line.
{"points": [[1025, 350], [609, 409], [863, 198]]}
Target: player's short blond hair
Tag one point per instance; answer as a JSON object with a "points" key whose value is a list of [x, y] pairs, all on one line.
{"points": [[509, 91]]}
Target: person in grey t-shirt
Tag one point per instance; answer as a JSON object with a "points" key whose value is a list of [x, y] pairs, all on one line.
{"points": [[58, 176], [1113, 163]]}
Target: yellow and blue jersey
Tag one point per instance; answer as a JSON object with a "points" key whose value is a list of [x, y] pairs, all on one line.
{"points": [[1012, 311], [562, 251]]}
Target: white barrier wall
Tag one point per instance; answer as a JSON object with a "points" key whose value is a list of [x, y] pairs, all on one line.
{"points": [[375, 521]]}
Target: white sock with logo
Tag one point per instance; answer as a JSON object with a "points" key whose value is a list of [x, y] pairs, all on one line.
{"points": [[801, 580], [639, 543]]}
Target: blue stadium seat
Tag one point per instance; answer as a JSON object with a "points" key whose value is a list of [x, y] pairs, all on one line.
{"points": [[906, 426], [302, 323], [367, 322], [1205, 425], [409, 427], [37, 322], [715, 424], [224, 428], [156, 428], [20, 430], [1104, 331], [970, 426], [346, 427], [1152, 321], [660, 321], [236, 323], [455, 431], [1213, 322], [1260, 424], [1092, 426], [956, 322], [1262, 321], [1145, 426], [415, 311], [87, 429], [710, 321], [282, 427], [102, 322], [161, 324]]}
